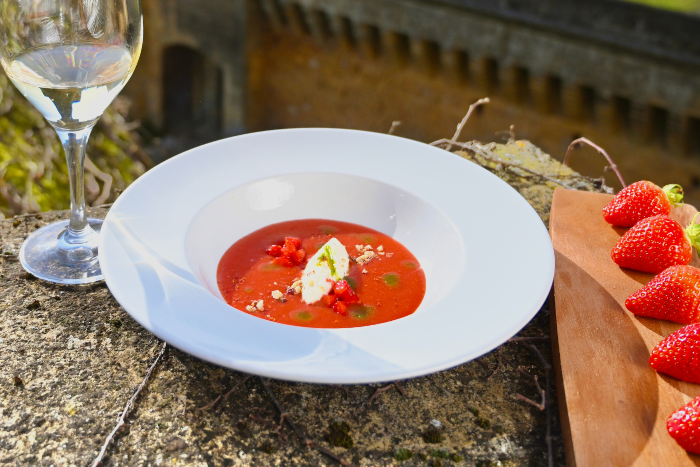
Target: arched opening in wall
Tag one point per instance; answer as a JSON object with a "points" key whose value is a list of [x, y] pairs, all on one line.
{"points": [[192, 87]]}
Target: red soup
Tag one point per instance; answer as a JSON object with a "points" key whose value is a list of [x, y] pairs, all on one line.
{"points": [[261, 274]]}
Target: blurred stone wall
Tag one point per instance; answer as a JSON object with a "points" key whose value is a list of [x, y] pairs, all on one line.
{"points": [[623, 75]]}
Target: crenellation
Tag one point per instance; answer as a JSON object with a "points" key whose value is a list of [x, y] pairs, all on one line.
{"points": [[398, 47], [299, 20], [322, 27], [427, 56], [601, 87], [370, 40], [456, 65], [273, 14], [691, 139], [656, 125]]}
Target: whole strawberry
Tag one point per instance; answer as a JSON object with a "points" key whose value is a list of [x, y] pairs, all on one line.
{"points": [[641, 200], [679, 354], [673, 295], [684, 426], [655, 243]]}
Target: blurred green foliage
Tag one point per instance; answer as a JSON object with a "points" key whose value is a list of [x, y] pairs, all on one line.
{"points": [[687, 6], [33, 172]]}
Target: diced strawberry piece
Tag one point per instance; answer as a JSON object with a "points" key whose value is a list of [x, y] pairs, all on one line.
{"points": [[341, 308], [341, 287], [329, 300], [292, 244], [284, 261], [345, 293], [300, 254], [275, 250]]}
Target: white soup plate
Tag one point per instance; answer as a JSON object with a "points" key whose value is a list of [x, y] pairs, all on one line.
{"points": [[487, 256]]}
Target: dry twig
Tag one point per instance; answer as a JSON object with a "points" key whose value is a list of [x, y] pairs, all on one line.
{"points": [[476, 104], [600, 150], [309, 442], [127, 408], [394, 124], [221, 397], [384, 389], [106, 180], [530, 339], [489, 156]]}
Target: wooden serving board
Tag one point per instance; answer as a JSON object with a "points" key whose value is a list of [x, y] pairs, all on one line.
{"points": [[613, 405]]}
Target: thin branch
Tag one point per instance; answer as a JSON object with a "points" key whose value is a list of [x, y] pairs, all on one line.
{"points": [[394, 124], [476, 104], [547, 400], [600, 150], [530, 339], [384, 389], [539, 406], [225, 396], [309, 442], [105, 177], [471, 146], [127, 409], [103, 206], [221, 397], [498, 365]]}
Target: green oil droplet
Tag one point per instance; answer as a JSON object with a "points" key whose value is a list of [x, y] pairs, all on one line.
{"points": [[391, 279], [248, 290], [352, 282], [361, 311], [410, 264], [367, 238], [303, 315], [328, 229], [269, 267]]}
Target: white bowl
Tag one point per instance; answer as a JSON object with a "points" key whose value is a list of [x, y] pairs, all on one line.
{"points": [[487, 256]]}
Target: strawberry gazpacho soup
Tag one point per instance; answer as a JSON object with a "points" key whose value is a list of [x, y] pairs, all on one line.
{"points": [[321, 273]]}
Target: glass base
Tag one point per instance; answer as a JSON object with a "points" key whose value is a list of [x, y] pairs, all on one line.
{"points": [[46, 255]]}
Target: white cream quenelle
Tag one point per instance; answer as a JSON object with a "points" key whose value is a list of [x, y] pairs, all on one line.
{"points": [[330, 264]]}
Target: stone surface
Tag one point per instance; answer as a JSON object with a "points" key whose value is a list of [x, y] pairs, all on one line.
{"points": [[70, 358]]}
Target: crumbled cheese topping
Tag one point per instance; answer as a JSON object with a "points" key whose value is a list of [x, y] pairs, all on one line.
{"points": [[255, 305], [330, 264], [365, 257]]}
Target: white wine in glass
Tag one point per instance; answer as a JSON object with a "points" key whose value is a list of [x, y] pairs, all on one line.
{"points": [[70, 59]]}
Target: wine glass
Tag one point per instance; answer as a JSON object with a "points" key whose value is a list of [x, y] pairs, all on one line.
{"points": [[70, 59]]}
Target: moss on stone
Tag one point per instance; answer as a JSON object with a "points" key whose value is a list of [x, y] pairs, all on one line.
{"points": [[432, 435], [439, 453], [403, 454], [500, 429], [339, 435], [34, 171], [483, 423], [457, 458], [267, 447]]}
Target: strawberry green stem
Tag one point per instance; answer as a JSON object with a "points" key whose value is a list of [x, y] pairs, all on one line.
{"points": [[693, 231], [674, 193]]}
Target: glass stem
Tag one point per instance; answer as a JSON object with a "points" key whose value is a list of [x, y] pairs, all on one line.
{"points": [[74, 144]]}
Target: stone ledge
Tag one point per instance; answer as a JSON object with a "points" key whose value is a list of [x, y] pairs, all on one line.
{"points": [[70, 358]]}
